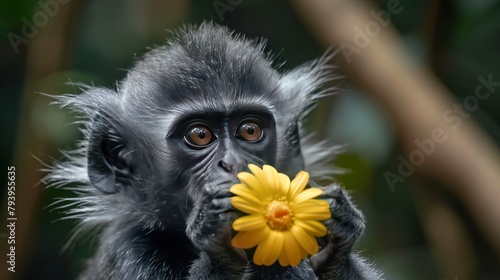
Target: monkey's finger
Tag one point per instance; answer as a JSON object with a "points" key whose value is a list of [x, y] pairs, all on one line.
{"points": [[221, 204], [216, 191]]}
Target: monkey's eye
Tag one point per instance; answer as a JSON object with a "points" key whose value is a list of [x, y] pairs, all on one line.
{"points": [[198, 136], [249, 131]]}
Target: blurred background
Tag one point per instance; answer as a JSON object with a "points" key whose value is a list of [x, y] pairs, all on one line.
{"points": [[419, 112]]}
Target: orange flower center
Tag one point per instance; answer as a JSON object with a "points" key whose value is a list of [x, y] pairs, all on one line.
{"points": [[278, 215]]}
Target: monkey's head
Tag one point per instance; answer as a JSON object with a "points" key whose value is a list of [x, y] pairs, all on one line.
{"points": [[189, 115]]}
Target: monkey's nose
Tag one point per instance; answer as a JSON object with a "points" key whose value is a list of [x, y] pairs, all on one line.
{"points": [[229, 168]]}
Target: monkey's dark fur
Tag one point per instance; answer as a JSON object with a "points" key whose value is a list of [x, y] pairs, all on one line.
{"points": [[163, 202]]}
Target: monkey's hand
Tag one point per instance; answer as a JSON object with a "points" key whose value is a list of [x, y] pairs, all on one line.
{"points": [[209, 228], [344, 229]]}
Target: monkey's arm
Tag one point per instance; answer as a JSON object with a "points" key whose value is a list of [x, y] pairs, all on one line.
{"points": [[338, 260], [130, 252]]}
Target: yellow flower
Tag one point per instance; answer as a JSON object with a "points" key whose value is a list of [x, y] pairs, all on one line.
{"points": [[283, 217]]}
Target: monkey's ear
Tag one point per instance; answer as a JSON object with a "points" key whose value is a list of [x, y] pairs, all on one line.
{"points": [[109, 159], [302, 86]]}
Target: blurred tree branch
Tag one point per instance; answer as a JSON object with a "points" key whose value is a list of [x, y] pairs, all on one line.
{"points": [[450, 241]]}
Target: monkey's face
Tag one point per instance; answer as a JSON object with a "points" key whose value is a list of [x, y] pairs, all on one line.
{"points": [[212, 147], [190, 116]]}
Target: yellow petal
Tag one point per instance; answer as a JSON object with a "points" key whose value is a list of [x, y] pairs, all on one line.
{"points": [[261, 178], [308, 243], [252, 182], [312, 215], [308, 194], [245, 206], [269, 250], [246, 193], [298, 183], [311, 227], [250, 239], [249, 222], [285, 183], [292, 254], [312, 209], [303, 253], [273, 183], [258, 173], [311, 203]]}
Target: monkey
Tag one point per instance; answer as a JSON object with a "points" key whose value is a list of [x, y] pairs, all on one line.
{"points": [[160, 152]]}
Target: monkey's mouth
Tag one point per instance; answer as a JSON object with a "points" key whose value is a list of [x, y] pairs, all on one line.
{"points": [[216, 188]]}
